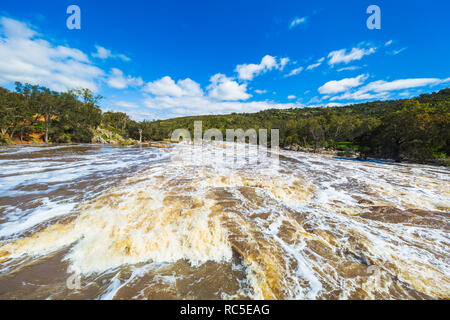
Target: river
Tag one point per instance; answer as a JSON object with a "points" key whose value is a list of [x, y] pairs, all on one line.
{"points": [[104, 222]]}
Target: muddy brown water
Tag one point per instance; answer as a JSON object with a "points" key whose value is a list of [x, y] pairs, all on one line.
{"points": [[103, 222]]}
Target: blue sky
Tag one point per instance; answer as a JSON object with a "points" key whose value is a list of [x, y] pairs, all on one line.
{"points": [[161, 59]]}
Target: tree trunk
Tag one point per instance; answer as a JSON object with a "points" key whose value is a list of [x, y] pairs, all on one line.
{"points": [[46, 129], [140, 135], [397, 146], [12, 132]]}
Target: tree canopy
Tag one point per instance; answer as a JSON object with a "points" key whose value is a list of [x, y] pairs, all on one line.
{"points": [[410, 129]]}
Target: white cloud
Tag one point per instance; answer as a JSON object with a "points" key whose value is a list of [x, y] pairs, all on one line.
{"points": [[387, 44], [297, 21], [174, 99], [382, 86], [268, 63], [315, 65], [333, 87], [314, 100], [26, 57], [140, 115], [381, 89], [167, 87], [125, 104], [330, 104], [396, 52], [118, 80], [283, 63], [260, 91], [294, 72], [292, 97], [190, 87], [360, 95], [103, 53], [16, 29], [341, 56], [351, 68], [185, 106], [186, 97], [224, 88]]}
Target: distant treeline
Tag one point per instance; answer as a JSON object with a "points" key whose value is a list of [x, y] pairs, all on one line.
{"points": [[411, 129]]}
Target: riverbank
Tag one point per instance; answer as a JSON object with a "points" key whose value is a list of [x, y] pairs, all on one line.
{"points": [[357, 156], [99, 136]]}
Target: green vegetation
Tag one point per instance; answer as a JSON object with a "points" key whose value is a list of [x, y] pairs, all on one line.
{"points": [[62, 117], [412, 129], [33, 112]]}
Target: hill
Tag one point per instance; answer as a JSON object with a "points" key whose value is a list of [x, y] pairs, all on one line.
{"points": [[410, 129], [415, 129]]}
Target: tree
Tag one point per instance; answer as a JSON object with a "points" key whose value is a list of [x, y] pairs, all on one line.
{"points": [[4, 112], [117, 120]]}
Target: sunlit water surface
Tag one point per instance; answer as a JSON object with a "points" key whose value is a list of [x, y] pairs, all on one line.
{"points": [[150, 223]]}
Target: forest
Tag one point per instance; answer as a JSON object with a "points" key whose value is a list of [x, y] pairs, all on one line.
{"points": [[415, 129]]}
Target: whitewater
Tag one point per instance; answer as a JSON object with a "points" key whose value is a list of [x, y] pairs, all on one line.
{"points": [[221, 221]]}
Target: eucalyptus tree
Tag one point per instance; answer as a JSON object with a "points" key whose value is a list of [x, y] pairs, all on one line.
{"points": [[4, 114]]}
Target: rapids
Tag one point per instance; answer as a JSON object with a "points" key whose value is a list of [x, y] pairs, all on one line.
{"points": [[150, 223]]}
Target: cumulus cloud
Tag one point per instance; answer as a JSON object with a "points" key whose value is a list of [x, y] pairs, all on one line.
{"points": [[118, 80], [224, 95], [315, 65], [297, 21], [224, 88], [341, 56], [260, 91], [185, 97], [103, 53], [16, 29], [292, 97], [167, 87], [268, 63], [333, 87], [186, 106], [26, 57]]}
